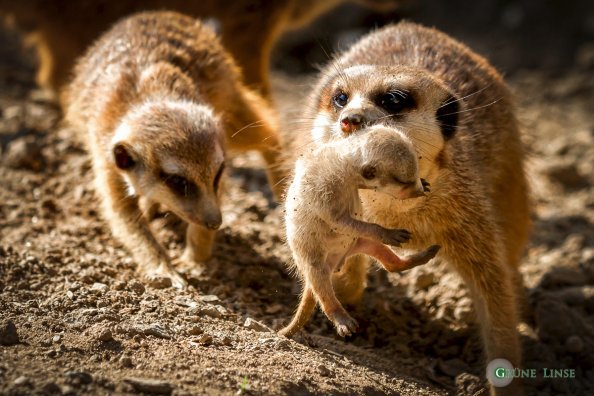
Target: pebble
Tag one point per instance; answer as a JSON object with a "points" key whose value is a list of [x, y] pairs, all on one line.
{"points": [[150, 385], [79, 378], [136, 287], [208, 310], [8, 333], [574, 344], [196, 330], [324, 371], [205, 339], [100, 287], [452, 367], [126, 361], [105, 335], [211, 298], [57, 338], [22, 380], [160, 282], [25, 153], [255, 325], [156, 330]]}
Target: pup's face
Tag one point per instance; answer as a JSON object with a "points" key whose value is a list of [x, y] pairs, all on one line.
{"points": [[405, 99], [387, 163], [173, 154]]}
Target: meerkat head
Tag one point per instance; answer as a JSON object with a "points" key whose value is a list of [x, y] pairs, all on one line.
{"points": [[387, 162], [173, 153], [408, 100]]}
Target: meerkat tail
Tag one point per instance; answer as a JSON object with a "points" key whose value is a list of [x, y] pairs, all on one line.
{"points": [[303, 314]]}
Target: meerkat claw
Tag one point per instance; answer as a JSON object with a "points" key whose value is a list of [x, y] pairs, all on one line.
{"points": [[426, 185]]}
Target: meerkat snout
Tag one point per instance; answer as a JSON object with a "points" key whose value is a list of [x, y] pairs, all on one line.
{"points": [[351, 122]]}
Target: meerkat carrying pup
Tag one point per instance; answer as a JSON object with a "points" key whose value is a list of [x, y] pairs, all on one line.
{"points": [[319, 213], [159, 100], [458, 113]]}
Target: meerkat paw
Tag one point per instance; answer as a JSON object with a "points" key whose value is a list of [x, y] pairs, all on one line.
{"points": [[426, 185], [165, 276], [424, 256], [395, 237], [345, 324]]}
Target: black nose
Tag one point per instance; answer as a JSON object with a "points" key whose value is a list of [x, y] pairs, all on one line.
{"points": [[213, 225], [351, 122]]}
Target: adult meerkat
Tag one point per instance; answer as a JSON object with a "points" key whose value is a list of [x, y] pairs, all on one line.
{"points": [[61, 30], [160, 101], [458, 113], [321, 210]]}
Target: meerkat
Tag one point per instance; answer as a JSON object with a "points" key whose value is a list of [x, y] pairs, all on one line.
{"points": [[458, 113], [61, 30], [320, 215], [160, 101]]}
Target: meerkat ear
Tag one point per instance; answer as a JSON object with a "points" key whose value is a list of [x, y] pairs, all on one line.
{"points": [[122, 154], [447, 116]]}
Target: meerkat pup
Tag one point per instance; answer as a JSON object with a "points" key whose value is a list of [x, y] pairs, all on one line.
{"points": [[160, 101], [458, 114], [321, 208]]}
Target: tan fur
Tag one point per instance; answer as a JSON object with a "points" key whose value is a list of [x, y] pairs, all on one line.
{"points": [[322, 207], [61, 30], [478, 210], [159, 88]]}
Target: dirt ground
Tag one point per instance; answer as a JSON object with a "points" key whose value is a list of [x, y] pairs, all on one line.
{"points": [[76, 319]]}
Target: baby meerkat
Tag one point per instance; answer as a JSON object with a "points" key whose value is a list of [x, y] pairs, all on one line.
{"points": [[321, 209], [458, 113], [160, 100]]}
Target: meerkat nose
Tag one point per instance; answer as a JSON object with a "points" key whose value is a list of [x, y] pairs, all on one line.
{"points": [[213, 222], [351, 122]]}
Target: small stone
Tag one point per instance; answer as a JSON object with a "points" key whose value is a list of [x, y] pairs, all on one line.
{"points": [[70, 295], [574, 344], [78, 378], [100, 287], [160, 282], [424, 280], [567, 174], [25, 153], [324, 371], [205, 339], [273, 309], [51, 388], [105, 335], [8, 333], [209, 310], [227, 341], [22, 380], [452, 367], [148, 385], [196, 330], [126, 361], [156, 330], [56, 338], [210, 298], [255, 325], [136, 287]]}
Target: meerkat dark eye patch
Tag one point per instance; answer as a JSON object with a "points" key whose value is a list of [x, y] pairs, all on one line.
{"points": [[340, 99], [179, 184], [218, 176], [396, 101], [122, 157], [447, 116], [368, 172]]}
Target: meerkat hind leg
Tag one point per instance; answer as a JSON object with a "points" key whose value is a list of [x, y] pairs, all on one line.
{"points": [[319, 277], [388, 259], [306, 307]]}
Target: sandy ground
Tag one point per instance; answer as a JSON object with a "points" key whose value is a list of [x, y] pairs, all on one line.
{"points": [[76, 319]]}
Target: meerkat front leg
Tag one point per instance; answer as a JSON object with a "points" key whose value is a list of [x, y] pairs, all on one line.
{"points": [[199, 242], [392, 237], [131, 228]]}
